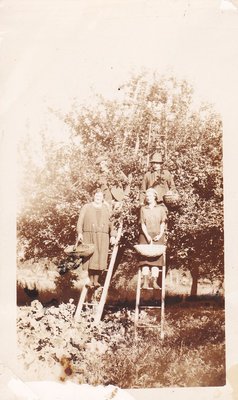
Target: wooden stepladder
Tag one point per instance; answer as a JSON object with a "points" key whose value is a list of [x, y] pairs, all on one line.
{"points": [[138, 306], [99, 306]]}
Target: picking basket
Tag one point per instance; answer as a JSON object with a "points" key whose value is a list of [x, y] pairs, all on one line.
{"points": [[82, 250], [150, 250], [171, 199]]}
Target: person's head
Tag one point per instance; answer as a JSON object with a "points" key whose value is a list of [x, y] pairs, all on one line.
{"points": [[102, 163], [98, 196], [156, 161], [150, 196]]}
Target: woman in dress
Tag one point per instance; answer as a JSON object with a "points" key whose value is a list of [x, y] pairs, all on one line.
{"points": [[153, 219], [94, 226]]}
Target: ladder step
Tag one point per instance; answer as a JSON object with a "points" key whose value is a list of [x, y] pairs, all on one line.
{"points": [[159, 303], [94, 289], [149, 306], [147, 326]]}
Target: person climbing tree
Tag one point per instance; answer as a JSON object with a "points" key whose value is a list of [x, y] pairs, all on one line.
{"points": [[114, 188], [158, 178]]}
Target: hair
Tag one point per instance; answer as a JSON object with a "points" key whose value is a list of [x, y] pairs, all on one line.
{"points": [[98, 190], [154, 193]]}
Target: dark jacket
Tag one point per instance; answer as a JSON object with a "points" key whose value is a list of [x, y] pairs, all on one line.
{"points": [[161, 181]]}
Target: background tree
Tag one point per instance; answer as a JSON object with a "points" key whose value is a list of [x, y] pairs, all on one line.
{"points": [[155, 113]]}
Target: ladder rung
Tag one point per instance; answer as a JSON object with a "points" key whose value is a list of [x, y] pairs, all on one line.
{"points": [[147, 326], [94, 289], [90, 304], [159, 269], [149, 306]]}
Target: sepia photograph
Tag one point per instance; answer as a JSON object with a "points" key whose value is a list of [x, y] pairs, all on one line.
{"points": [[117, 199]]}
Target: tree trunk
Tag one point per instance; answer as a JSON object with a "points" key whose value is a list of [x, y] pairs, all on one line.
{"points": [[195, 275]]}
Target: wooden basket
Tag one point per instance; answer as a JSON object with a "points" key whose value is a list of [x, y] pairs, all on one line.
{"points": [[150, 250]]}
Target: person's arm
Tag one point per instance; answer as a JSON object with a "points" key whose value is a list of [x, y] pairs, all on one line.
{"points": [[171, 183], [112, 228], [162, 229], [143, 226], [143, 189], [80, 224], [144, 230], [112, 232], [162, 224]]}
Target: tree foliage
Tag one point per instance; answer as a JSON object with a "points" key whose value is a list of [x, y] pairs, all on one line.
{"points": [[154, 114]]}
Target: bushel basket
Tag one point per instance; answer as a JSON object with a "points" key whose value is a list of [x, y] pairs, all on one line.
{"points": [[150, 250], [82, 250], [171, 199]]}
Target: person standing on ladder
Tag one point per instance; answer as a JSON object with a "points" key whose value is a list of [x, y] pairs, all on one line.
{"points": [[115, 189], [94, 226], [158, 178], [153, 221]]}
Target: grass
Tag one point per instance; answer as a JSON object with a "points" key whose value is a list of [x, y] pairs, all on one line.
{"points": [[53, 346]]}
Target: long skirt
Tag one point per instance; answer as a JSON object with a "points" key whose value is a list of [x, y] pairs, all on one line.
{"points": [[98, 260]]}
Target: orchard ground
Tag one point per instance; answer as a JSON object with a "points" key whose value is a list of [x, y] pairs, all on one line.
{"points": [[53, 346]]}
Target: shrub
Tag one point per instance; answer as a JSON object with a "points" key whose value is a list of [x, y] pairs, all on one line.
{"points": [[53, 346]]}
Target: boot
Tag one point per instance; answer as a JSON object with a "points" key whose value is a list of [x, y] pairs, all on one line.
{"points": [[145, 282], [154, 284]]}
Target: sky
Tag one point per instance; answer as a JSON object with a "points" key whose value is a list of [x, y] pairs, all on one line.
{"points": [[54, 53], [57, 52]]}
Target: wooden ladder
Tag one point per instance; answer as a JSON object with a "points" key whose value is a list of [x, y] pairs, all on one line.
{"points": [[138, 307], [99, 306]]}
